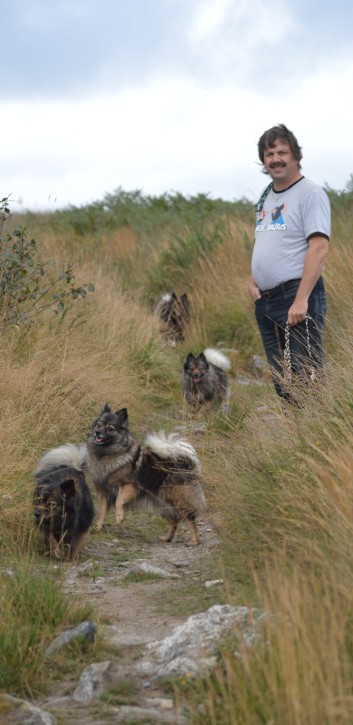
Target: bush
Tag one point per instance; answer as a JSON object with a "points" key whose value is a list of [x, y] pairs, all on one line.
{"points": [[26, 286]]}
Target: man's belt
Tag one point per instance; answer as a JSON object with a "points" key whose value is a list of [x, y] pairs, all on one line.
{"points": [[283, 287]]}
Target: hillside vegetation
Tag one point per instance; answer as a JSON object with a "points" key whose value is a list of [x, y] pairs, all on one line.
{"points": [[279, 482]]}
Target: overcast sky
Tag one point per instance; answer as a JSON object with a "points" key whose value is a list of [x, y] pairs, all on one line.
{"points": [[169, 95]]}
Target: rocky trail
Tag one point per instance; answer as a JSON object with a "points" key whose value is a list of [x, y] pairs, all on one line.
{"points": [[158, 612], [141, 590]]}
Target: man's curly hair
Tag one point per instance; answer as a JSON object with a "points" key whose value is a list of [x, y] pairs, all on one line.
{"points": [[279, 133]]}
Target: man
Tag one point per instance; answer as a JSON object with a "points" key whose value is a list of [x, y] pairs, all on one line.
{"points": [[293, 224]]}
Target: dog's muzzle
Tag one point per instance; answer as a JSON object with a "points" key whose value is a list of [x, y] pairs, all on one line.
{"points": [[99, 439]]}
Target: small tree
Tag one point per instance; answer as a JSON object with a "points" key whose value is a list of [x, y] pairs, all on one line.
{"points": [[29, 285]]}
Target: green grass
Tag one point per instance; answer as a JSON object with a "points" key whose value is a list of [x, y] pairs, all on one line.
{"points": [[140, 577], [137, 528], [189, 598], [34, 609], [124, 693]]}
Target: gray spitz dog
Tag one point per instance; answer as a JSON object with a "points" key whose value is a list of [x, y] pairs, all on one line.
{"points": [[162, 475], [174, 314], [205, 381]]}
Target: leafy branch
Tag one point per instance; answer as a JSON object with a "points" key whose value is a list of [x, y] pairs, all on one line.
{"points": [[29, 285]]}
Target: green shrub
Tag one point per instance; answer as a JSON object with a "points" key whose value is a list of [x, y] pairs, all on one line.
{"points": [[26, 286], [145, 214], [173, 268]]}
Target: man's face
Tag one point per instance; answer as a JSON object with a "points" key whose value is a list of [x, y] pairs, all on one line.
{"points": [[281, 164]]}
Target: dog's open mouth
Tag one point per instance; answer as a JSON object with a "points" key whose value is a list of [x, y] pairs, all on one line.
{"points": [[99, 439], [196, 378]]}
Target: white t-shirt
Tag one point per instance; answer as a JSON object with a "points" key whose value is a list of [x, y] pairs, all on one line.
{"points": [[288, 219]]}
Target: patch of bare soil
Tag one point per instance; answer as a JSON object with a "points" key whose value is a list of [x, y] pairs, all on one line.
{"points": [[140, 589]]}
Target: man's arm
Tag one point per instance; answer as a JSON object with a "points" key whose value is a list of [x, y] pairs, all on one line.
{"points": [[313, 266]]}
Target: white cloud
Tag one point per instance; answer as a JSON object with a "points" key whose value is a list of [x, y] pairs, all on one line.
{"points": [[171, 135], [206, 17], [232, 38]]}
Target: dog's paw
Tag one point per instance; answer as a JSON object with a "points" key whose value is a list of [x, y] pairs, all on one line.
{"points": [[55, 554], [97, 528]]}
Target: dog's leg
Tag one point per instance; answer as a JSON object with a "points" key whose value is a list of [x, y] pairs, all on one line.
{"points": [[170, 533], [52, 546], [75, 553], [127, 494], [225, 407], [206, 408], [103, 510], [190, 518]]}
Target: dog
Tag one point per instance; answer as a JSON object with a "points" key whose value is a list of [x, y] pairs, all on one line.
{"points": [[160, 476], [174, 315], [205, 382], [63, 505]]}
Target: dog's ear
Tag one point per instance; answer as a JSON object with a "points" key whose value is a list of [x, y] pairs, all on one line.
{"points": [[106, 409], [123, 418], [188, 359], [185, 301], [203, 357], [68, 487]]}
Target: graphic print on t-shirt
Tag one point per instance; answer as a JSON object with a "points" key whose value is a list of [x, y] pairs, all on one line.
{"points": [[276, 216], [277, 213]]}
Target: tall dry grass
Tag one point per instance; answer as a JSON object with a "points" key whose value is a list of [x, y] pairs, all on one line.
{"points": [[286, 492], [283, 492], [55, 379]]}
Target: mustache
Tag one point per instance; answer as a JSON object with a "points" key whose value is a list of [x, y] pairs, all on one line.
{"points": [[277, 164]]}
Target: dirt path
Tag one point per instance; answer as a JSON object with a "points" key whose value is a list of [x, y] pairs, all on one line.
{"points": [[135, 607]]}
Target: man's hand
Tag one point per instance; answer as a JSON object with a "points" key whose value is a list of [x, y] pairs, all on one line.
{"points": [[297, 312], [254, 291], [313, 266]]}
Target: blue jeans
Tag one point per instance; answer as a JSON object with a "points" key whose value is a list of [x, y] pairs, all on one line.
{"points": [[271, 315]]}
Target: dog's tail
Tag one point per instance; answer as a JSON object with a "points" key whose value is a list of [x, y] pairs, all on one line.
{"points": [[69, 454], [215, 357], [172, 447]]}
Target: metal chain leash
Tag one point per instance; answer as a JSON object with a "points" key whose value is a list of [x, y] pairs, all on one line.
{"points": [[287, 365]]}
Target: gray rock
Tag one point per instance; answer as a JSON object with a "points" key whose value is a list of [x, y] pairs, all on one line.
{"points": [[24, 713], [244, 380], [87, 566], [164, 703], [150, 569], [94, 679], [190, 647], [8, 572], [259, 363], [128, 713], [85, 630]]}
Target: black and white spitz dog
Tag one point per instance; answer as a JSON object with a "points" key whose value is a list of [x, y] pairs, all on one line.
{"points": [[205, 381], [174, 314], [63, 507]]}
